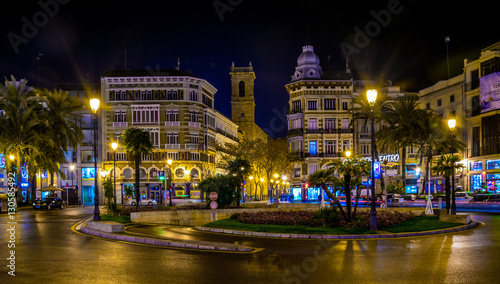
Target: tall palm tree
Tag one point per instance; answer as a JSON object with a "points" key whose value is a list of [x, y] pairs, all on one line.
{"points": [[323, 178], [240, 168], [348, 168], [20, 120], [445, 166], [401, 133], [63, 113], [137, 143]]}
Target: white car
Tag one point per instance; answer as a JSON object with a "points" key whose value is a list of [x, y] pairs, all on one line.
{"points": [[144, 201]]}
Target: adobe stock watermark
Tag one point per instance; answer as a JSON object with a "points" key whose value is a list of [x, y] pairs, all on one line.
{"points": [[278, 122], [30, 27], [362, 37], [11, 231], [223, 6], [309, 265]]}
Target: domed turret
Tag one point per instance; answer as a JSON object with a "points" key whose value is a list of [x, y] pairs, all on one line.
{"points": [[307, 65]]}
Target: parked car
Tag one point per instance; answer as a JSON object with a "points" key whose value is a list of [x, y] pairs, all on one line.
{"points": [[480, 197], [409, 197], [48, 203], [493, 198], [144, 201], [462, 195]]}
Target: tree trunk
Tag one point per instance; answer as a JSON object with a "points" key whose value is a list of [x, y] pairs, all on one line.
{"points": [[358, 192], [335, 200], [403, 167], [347, 189], [448, 192], [137, 180]]}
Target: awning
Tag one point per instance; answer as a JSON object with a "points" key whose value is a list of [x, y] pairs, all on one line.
{"points": [[50, 188]]}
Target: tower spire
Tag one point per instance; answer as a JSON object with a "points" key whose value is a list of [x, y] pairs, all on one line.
{"points": [[178, 67]]}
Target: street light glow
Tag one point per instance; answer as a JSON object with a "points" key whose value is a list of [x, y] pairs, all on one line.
{"points": [[169, 162], [452, 123], [114, 145], [12, 157], [94, 104], [347, 153], [71, 167], [371, 95]]}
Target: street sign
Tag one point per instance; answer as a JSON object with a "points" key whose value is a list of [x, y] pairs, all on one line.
{"points": [[213, 205], [161, 175], [213, 195]]}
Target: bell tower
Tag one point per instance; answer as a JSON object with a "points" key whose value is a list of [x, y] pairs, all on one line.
{"points": [[242, 98]]}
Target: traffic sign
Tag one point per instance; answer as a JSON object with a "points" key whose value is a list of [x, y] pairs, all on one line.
{"points": [[161, 175], [213, 205], [213, 195]]}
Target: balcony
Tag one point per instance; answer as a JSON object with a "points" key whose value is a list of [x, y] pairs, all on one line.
{"points": [[294, 111], [314, 130], [120, 124], [194, 124], [483, 151], [296, 131], [172, 146], [324, 155], [172, 123], [191, 146]]}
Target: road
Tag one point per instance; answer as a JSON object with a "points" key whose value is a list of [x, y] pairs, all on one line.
{"points": [[48, 250]]}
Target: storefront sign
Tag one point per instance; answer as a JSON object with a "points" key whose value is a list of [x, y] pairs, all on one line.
{"points": [[392, 158]]}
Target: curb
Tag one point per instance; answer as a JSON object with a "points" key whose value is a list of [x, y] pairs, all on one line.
{"points": [[472, 225], [203, 246]]}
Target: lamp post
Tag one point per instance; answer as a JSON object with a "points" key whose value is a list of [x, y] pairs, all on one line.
{"points": [[452, 123], [71, 168], [114, 145], [169, 162], [371, 95], [94, 105]]}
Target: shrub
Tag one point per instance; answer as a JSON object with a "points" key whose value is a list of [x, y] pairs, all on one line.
{"points": [[322, 218]]}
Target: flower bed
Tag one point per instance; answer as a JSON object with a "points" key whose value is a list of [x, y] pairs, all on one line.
{"points": [[322, 218]]}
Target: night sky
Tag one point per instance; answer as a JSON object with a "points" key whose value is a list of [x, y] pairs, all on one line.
{"points": [[84, 39]]}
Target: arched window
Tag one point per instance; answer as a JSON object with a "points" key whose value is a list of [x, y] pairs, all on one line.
{"points": [[127, 173], [242, 89], [194, 173]]}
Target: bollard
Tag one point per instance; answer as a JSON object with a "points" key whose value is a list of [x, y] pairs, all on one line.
{"points": [[440, 200]]}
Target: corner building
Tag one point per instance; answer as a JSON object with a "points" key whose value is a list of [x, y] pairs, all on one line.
{"points": [[177, 110], [318, 120]]}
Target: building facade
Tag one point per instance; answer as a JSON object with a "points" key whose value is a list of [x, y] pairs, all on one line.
{"points": [[482, 117], [177, 110], [319, 129]]}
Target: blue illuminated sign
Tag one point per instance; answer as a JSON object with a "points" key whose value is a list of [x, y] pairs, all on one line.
{"points": [[376, 170]]}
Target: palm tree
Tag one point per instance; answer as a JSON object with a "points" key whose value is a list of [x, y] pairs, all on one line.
{"points": [[240, 168], [63, 113], [401, 133], [445, 166], [20, 121], [348, 168], [137, 143], [323, 178]]}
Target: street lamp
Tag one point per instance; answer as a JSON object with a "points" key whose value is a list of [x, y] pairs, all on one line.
{"points": [[94, 105], [114, 145], [451, 124], [169, 162], [371, 95]]}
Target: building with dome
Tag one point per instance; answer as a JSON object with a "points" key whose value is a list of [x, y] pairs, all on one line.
{"points": [[318, 120]]}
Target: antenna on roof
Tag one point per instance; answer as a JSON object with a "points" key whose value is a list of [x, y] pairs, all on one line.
{"points": [[125, 54]]}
